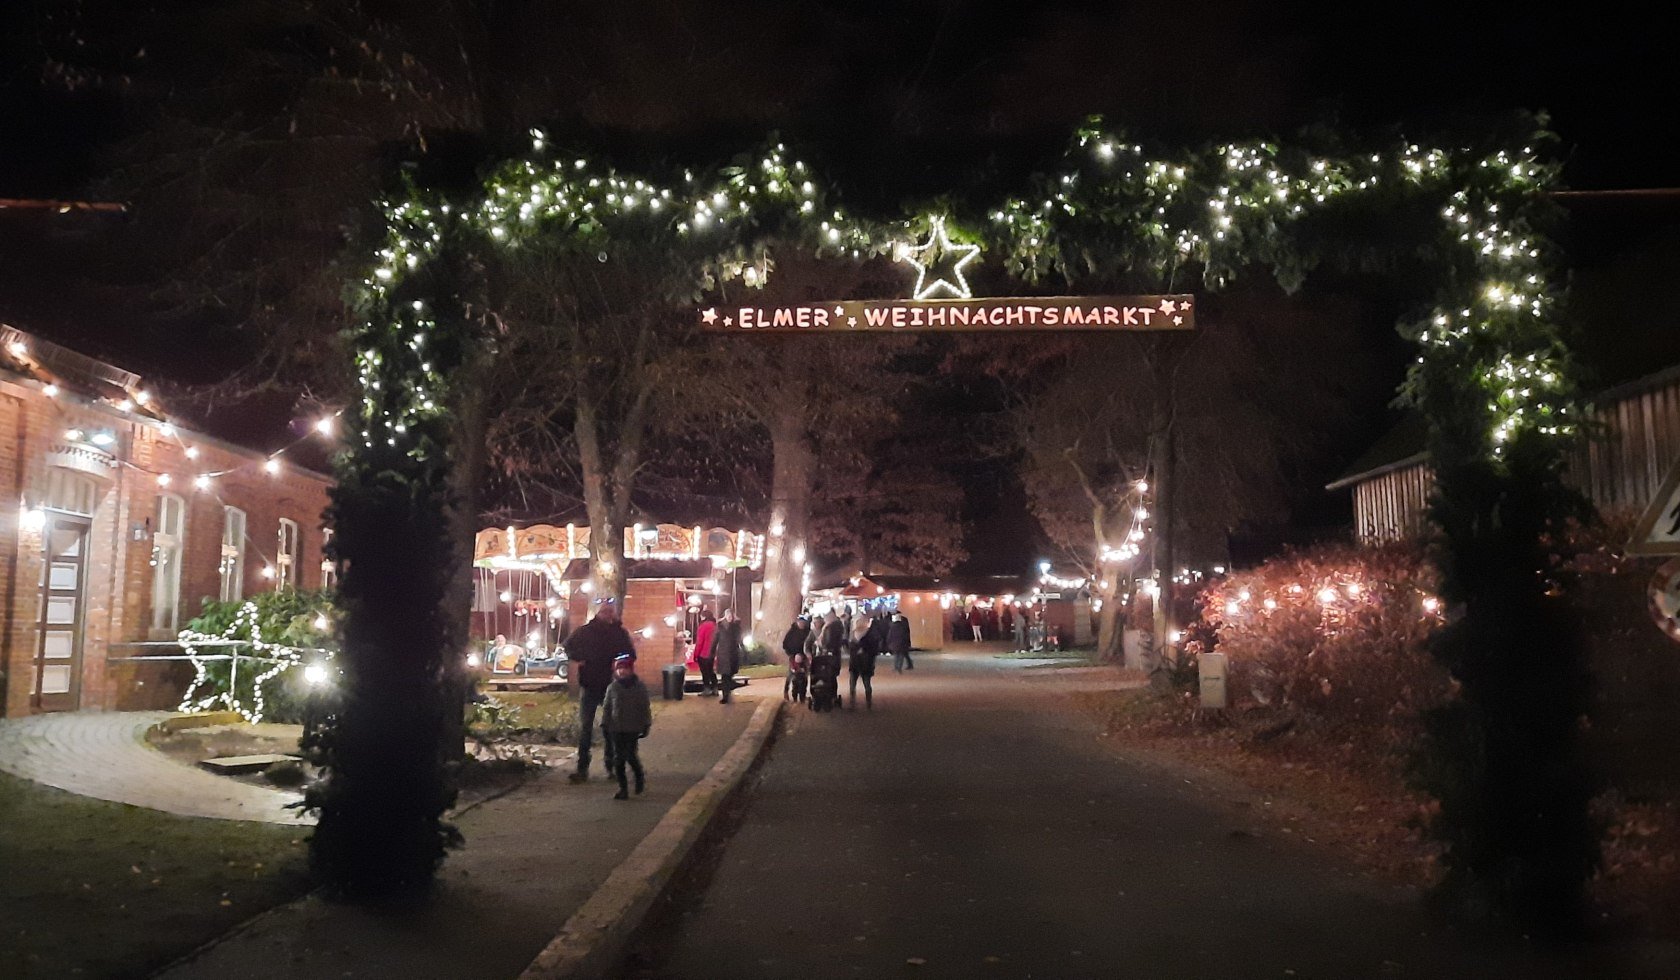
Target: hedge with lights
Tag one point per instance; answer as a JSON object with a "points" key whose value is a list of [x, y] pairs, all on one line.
{"points": [[1491, 376]]}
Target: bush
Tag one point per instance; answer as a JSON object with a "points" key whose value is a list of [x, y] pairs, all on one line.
{"points": [[1338, 632], [754, 654], [286, 618]]}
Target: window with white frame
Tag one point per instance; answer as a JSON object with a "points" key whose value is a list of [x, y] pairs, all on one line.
{"points": [[329, 571], [233, 554], [286, 554], [166, 561]]}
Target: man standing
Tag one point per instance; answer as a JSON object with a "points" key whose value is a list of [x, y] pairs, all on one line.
{"points": [[726, 652], [898, 642], [593, 647], [704, 636], [794, 642]]}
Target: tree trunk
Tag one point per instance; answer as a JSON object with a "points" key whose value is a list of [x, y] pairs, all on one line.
{"points": [[466, 479], [606, 535], [1162, 483], [793, 470], [1111, 626], [1108, 640]]}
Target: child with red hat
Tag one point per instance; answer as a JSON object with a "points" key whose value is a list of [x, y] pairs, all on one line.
{"points": [[626, 717]]}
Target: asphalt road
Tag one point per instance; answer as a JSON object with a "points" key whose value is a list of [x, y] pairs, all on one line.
{"points": [[973, 826]]}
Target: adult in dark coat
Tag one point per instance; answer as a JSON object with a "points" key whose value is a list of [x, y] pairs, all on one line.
{"points": [[592, 648], [864, 649], [704, 636], [727, 648], [878, 626], [794, 644], [898, 642]]}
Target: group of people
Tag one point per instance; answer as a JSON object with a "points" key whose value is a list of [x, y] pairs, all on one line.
{"points": [[605, 659], [815, 649], [604, 656], [718, 646]]}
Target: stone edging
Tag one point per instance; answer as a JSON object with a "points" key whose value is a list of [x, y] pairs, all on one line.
{"points": [[593, 939]]}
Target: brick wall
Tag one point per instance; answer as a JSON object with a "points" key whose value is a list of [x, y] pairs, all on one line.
{"points": [[118, 590]]}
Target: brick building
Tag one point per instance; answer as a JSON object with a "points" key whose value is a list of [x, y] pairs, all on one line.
{"points": [[119, 525]]}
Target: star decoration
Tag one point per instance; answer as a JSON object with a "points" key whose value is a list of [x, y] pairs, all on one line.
{"points": [[709, 316], [729, 321], [851, 321], [1168, 306], [941, 248], [1178, 321], [839, 310]]}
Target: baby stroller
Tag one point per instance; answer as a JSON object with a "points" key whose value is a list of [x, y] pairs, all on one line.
{"points": [[825, 683]]}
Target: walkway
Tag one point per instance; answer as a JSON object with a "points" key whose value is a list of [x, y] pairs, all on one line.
{"points": [[104, 755], [973, 825], [531, 859]]}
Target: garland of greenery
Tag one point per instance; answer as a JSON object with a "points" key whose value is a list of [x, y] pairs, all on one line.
{"points": [[1492, 378]]}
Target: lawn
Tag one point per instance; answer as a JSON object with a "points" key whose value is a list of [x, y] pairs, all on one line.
{"points": [[96, 889]]}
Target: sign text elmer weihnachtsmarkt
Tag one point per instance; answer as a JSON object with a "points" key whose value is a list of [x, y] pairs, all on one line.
{"points": [[910, 316]]}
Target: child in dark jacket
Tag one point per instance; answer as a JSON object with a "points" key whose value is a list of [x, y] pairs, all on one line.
{"points": [[626, 717]]}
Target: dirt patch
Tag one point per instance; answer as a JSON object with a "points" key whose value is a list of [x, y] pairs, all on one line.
{"points": [[1352, 798], [194, 745]]}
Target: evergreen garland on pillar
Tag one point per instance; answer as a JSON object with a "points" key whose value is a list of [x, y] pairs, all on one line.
{"points": [[385, 784]]}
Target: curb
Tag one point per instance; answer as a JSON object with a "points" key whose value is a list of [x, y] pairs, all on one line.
{"points": [[593, 939]]}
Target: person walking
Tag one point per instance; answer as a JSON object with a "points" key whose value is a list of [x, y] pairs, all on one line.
{"points": [[1020, 632], [794, 642], [704, 636], [974, 621], [594, 647], [898, 642], [726, 651], [626, 719], [863, 650]]}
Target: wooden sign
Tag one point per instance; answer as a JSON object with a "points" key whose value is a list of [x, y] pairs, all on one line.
{"points": [[1658, 530], [1019, 314]]}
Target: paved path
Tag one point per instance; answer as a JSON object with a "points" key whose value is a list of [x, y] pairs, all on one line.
{"points": [[973, 826], [531, 859], [104, 755]]}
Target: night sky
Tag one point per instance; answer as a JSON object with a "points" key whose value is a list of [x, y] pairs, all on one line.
{"points": [[901, 103]]}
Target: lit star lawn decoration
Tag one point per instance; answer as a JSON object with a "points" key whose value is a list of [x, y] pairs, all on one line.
{"points": [[934, 253], [276, 657]]}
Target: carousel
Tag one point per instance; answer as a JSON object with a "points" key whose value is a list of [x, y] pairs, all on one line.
{"points": [[531, 588]]}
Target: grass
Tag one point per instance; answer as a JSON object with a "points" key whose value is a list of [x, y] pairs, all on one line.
{"points": [[97, 889]]}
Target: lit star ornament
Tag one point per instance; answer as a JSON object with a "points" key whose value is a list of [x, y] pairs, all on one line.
{"points": [[941, 247]]}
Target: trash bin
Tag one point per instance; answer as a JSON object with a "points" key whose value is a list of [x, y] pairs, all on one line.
{"points": [[671, 677]]}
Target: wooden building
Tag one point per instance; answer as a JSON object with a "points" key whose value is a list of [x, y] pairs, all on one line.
{"points": [[1619, 467], [120, 524]]}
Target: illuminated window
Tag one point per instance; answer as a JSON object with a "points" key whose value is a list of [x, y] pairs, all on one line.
{"points": [[285, 558], [329, 571], [233, 554], [166, 561]]}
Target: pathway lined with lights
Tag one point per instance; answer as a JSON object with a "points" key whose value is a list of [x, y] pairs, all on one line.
{"points": [[976, 825], [104, 755]]}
